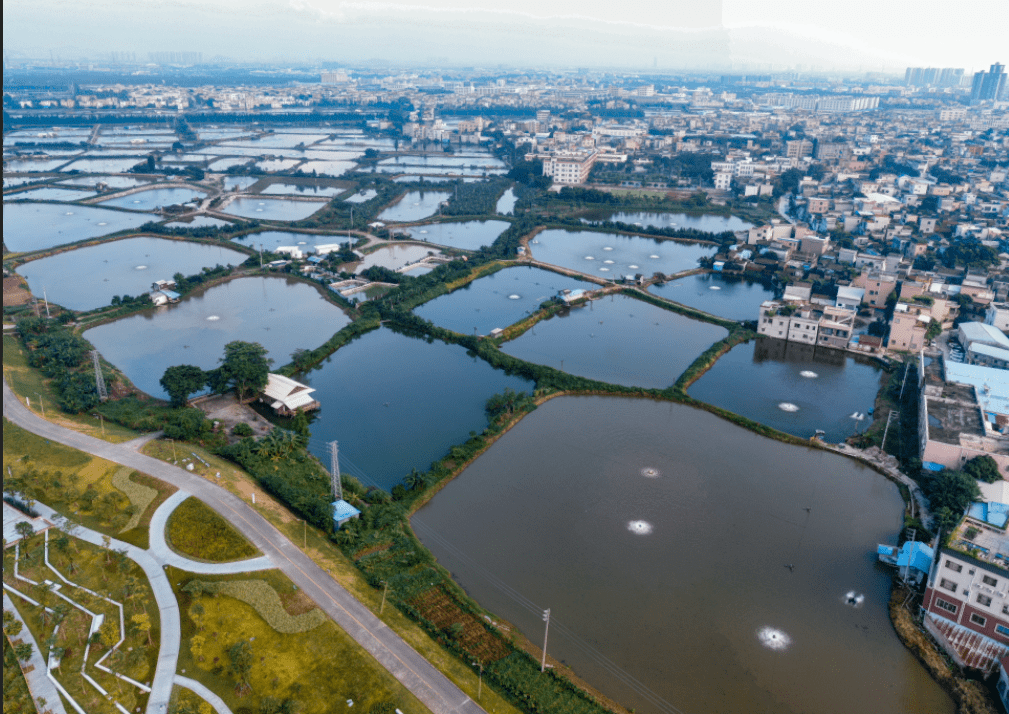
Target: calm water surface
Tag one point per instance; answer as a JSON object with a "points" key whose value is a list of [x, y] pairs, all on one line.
{"points": [[611, 254], [617, 339], [707, 223], [396, 402], [88, 277], [279, 313], [301, 190], [471, 235], [717, 294], [272, 209], [497, 300], [272, 239], [675, 578], [394, 256], [155, 198], [49, 193], [35, 226], [506, 204], [765, 378], [414, 206]]}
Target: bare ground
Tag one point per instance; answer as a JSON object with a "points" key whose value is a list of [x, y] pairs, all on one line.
{"points": [[227, 410]]}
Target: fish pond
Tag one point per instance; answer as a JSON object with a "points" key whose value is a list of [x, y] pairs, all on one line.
{"points": [[497, 300], [414, 206], [37, 226], [658, 536], [271, 209], [617, 339], [469, 235], [793, 387], [612, 254], [282, 314], [702, 222], [394, 256], [723, 295], [86, 278], [155, 198]]}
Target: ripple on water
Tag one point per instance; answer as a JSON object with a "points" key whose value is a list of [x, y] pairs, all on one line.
{"points": [[640, 527], [808, 374], [788, 407], [774, 639], [650, 472], [514, 297], [714, 287], [141, 267], [589, 257], [213, 318]]}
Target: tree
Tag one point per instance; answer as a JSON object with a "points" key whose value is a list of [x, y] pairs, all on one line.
{"points": [[240, 655], [23, 651], [952, 491], [24, 529], [983, 468], [182, 380], [244, 367], [142, 622]]}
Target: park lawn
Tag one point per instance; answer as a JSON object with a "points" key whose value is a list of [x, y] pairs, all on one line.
{"points": [[197, 531], [73, 483], [100, 570], [321, 668], [17, 698], [327, 556], [28, 383], [186, 701]]}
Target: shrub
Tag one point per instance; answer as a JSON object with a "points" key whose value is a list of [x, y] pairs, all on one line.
{"points": [[242, 429]]}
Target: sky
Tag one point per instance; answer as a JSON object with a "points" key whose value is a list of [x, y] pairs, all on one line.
{"points": [[662, 34]]}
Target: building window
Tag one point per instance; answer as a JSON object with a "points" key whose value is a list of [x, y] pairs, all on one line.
{"points": [[989, 580], [948, 584], [1002, 629], [978, 620], [947, 606], [984, 600]]}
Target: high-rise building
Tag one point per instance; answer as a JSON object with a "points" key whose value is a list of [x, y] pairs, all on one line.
{"points": [[989, 86], [933, 76]]}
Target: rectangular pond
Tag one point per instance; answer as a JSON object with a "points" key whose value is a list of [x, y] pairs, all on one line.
{"points": [[152, 198], [271, 240], [282, 314], [658, 536], [30, 165], [49, 193], [701, 222], [617, 339], [110, 181], [471, 235], [611, 255], [98, 166], [36, 226], [86, 278], [396, 402], [272, 209], [327, 168], [288, 189], [395, 256], [792, 387], [497, 300], [723, 295], [414, 206]]}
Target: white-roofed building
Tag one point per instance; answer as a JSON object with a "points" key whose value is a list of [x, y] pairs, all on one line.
{"points": [[287, 396]]}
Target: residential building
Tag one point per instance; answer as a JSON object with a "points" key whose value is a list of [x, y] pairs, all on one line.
{"points": [[569, 167], [908, 327], [997, 315], [988, 86], [878, 287]]}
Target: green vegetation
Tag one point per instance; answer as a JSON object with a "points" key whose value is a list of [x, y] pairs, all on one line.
{"points": [[100, 570], [261, 596], [17, 699], [184, 701], [244, 368], [62, 356], [474, 199], [949, 493], [141, 497], [228, 646], [198, 532], [182, 380], [983, 468]]}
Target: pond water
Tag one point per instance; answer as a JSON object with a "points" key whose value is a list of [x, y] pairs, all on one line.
{"points": [[327, 168], [396, 402], [506, 204], [278, 164], [471, 235], [49, 193], [678, 579], [28, 165], [155, 198], [239, 183], [394, 256], [362, 196], [439, 170], [717, 294], [225, 164], [413, 162], [708, 223], [88, 277], [199, 222], [617, 339], [97, 166], [611, 255], [282, 314], [110, 181], [792, 387], [272, 239], [301, 189], [414, 206], [35, 226], [272, 209], [497, 300]]}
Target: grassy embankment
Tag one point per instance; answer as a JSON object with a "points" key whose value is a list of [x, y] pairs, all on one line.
{"points": [[198, 532]]}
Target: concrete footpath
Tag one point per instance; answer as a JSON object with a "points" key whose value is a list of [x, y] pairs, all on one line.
{"points": [[36, 671], [429, 685]]}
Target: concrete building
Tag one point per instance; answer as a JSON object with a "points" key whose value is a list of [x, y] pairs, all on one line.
{"points": [[908, 328], [849, 297], [806, 323], [569, 167], [877, 286], [288, 397], [997, 315]]}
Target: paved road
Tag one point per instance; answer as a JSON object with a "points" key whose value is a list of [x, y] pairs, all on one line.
{"points": [[429, 685], [208, 696]]}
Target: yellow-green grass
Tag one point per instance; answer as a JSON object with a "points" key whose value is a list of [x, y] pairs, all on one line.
{"points": [[29, 384], [186, 701], [196, 531], [104, 572], [17, 698], [325, 554], [61, 477], [321, 668]]}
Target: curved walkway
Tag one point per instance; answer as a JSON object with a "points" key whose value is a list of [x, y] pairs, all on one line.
{"points": [[208, 696], [163, 553], [40, 684], [429, 685]]}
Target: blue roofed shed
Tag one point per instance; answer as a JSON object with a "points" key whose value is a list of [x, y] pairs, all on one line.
{"points": [[995, 514], [913, 559], [343, 512]]}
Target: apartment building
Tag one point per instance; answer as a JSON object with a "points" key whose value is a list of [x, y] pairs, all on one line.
{"points": [[569, 167]]}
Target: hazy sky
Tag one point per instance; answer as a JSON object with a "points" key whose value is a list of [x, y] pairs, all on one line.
{"points": [[667, 34]]}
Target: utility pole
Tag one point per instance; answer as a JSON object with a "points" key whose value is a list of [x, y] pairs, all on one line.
{"points": [[907, 566], [46, 298], [882, 447], [260, 256], [334, 470], [173, 450], [385, 589], [99, 380], [42, 406], [546, 631], [906, 368], [479, 681]]}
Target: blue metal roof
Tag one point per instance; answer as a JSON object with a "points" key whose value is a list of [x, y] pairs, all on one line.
{"points": [[171, 294], [343, 510], [994, 513]]}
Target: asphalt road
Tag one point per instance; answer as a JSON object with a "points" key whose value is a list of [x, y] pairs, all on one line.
{"points": [[429, 685]]}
